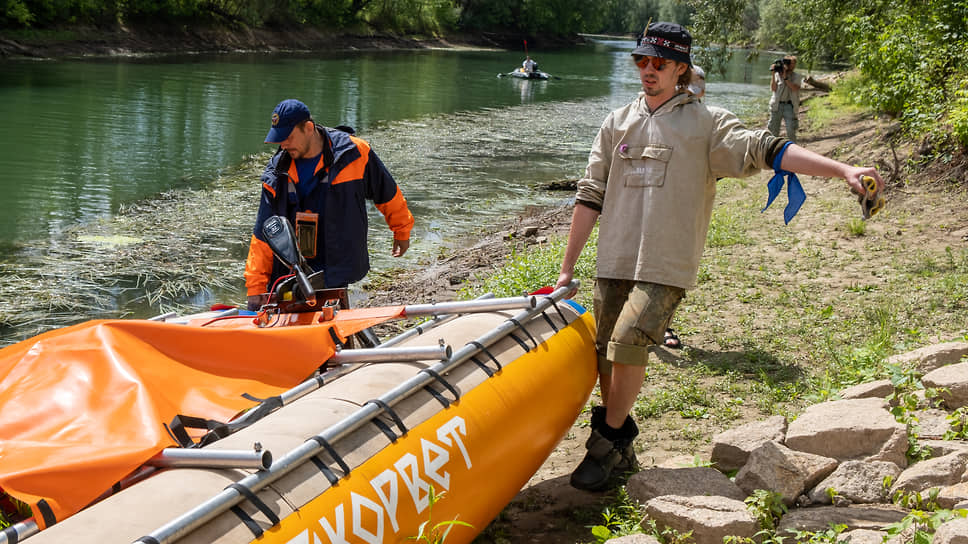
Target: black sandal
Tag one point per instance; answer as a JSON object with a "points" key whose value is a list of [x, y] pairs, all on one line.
{"points": [[671, 340]]}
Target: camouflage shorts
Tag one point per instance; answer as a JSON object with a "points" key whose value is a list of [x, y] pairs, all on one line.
{"points": [[631, 316]]}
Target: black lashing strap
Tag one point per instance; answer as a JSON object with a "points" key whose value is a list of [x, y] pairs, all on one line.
{"points": [[335, 337], [484, 350], [247, 520], [551, 322], [179, 424], [265, 407], [558, 309], [258, 503], [437, 396], [482, 366], [323, 443], [216, 429], [46, 512], [389, 411], [11, 534], [433, 373], [324, 468], [385, 429], [523, 345]]}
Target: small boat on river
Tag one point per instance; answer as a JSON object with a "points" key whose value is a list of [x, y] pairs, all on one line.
{"points": [[520, 73], [294, 424]]}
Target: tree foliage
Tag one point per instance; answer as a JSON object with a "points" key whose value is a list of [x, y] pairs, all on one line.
{"points": [[530, 17], [911, 55], [717, 24], [414, 16]]}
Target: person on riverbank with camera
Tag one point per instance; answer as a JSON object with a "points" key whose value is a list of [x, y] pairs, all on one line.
{"points": [[650, 182], [785, 101], [320, 179]]}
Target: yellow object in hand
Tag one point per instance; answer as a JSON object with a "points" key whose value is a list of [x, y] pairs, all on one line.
{"points": [[871, 202]]}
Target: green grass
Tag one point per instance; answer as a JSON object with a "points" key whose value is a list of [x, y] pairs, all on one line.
{"points": [[534, 267], [830, 109]]}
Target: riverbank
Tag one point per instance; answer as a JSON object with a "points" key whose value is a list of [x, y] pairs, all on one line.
{"points": [[161, 39]]}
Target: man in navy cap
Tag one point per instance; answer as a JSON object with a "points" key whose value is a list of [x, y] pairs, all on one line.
{"points": [[650, 181], [320, 178]]}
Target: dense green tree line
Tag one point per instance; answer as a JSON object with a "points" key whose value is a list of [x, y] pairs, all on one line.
{"points": [[909, 54], [413, 16], [908, 51]]}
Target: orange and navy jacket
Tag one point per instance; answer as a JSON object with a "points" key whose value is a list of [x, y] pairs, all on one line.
{"points": [[348, 174]]}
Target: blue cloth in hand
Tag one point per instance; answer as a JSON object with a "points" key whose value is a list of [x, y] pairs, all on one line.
{"points": [[795, 194]]}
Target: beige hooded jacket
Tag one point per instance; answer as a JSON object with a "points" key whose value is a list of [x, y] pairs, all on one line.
{"points": [[653, 177]]}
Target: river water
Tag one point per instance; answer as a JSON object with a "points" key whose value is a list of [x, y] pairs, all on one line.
{"points": [[105, 165]]}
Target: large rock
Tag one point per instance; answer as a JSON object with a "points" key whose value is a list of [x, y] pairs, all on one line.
{"points": [[779, 469], [952, 532], [940, 448], [638, 538], [848, 430], [861, 536], [953, 496], [932, 423], [731, 448], [931, 358], [935, 472], [952, 382], [709, 518], [873, 517], [878, 390], [859, 482], [656, 482]]}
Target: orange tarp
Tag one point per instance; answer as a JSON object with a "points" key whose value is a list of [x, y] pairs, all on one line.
{"points": [[84, 406]]}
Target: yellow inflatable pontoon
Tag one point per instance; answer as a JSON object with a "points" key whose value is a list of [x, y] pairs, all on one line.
{"points": [[207, 430]]}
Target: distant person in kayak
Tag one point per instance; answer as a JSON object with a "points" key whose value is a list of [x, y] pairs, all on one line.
{"points": [[650, 181], [785, 100], [320, 178], [529, 65]]}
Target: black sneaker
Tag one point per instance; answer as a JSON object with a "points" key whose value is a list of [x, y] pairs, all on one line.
{"points": [[595, 470], [607, 462]]}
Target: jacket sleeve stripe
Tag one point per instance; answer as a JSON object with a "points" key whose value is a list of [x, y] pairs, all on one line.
{"points": [[397, 215], [258, 267]]}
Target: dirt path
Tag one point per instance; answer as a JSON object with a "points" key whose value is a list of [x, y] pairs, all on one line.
{"points": [[548, 510]]}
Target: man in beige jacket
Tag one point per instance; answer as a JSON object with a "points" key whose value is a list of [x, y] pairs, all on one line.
{"points": [[650, 181]]}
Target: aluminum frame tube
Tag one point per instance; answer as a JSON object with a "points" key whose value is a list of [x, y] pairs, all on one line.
{"points": [[229, 497], [347, 364], [24, 529], [471, 306], [382, 355], [427, 326], [257, 458]]}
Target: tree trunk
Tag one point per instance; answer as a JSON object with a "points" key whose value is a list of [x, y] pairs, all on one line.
{"points": [[817, 84]]}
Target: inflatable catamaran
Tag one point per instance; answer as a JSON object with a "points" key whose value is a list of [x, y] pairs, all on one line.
{"points": [[205, 428]]}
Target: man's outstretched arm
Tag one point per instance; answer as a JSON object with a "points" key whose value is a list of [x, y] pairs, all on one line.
{"points": [[803, 161]]}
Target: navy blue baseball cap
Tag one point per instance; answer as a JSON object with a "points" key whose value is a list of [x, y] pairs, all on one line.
{"points": [[285, 117]]}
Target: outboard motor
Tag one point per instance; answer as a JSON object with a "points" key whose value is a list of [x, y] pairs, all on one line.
{"points": [[281, 238]]}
